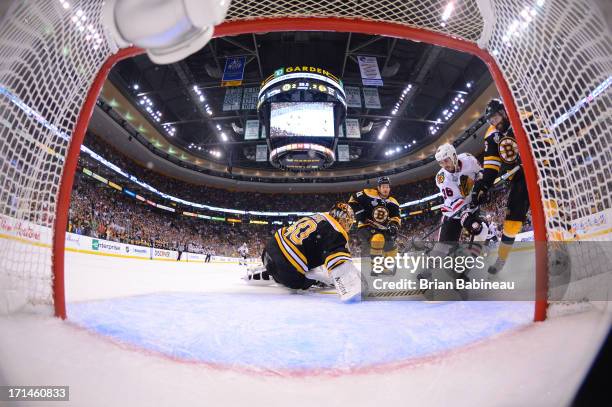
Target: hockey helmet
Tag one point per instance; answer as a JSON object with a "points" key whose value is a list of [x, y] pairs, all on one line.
{"points": [[383, 180], [445, 151], [344, 214], [494, 106]]}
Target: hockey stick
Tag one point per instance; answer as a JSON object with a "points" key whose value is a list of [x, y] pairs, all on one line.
{"points": [[507, 175]]}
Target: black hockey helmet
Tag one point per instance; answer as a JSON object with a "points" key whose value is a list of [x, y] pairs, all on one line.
{"points": [[383, 180], [494, 106], [344, 214]]}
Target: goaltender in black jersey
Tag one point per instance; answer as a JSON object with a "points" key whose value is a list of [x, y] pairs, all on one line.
{"points": [[313, 250], [378, 217]]}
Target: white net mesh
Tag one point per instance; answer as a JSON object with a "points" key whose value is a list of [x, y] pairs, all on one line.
{"points": [[555, 56], [49, 55]]}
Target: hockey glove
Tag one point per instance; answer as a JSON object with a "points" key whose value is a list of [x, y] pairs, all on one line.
{"points": [[393, 230], [471, 222], [480, 194]]}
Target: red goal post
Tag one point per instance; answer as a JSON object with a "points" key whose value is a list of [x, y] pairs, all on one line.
{"points": [[54, 62]]}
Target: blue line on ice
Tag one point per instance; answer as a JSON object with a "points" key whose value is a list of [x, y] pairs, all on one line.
{"points": [[294, 331]]}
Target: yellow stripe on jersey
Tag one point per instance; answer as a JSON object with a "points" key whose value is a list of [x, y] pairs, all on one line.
{"points": [[490, 131], [334, 255], [395, 219], [491, 167], [287, 255], [337, 264], [293, 248], [492, 157], [372, 193], [334, 260], [393, 200]]}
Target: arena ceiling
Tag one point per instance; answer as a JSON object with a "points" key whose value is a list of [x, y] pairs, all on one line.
{"points": [[438, 77]]}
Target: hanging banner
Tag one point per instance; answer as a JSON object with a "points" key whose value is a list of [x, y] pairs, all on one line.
{"points": [[233, 97], [352, 128], [353, 96], [251, 130], [249, 98], [370, 75], [261, 153], [233, 73], [343, 152], [371, 99]]}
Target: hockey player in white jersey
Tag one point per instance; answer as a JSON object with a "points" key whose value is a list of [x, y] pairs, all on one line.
{"points": [[243, 251], [455, 181]]}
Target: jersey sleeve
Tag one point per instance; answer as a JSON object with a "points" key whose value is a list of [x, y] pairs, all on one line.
{"points": [[355, 201], [492, 162]]}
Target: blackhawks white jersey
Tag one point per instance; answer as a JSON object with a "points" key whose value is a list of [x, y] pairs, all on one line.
{"points": [[456, 187], [243, 250]]}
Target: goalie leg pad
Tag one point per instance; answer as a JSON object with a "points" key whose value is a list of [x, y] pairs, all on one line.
{"points": [[347, 280]]}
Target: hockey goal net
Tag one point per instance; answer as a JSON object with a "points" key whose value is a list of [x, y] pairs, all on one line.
{"points": [[551, 58]]}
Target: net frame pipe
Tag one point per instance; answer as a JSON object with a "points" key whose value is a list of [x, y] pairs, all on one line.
{"points": [[320, 24]]}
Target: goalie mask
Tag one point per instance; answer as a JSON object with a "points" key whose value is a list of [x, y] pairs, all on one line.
{"points": [[446, 156], [344, 214]]}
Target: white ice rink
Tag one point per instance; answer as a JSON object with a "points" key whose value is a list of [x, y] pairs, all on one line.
{"points": [[139, 333]]}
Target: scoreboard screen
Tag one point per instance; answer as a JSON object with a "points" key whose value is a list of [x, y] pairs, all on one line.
{"points": [[301, 110], [290, 119]]}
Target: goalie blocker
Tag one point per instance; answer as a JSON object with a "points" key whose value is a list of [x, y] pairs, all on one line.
{"points": [[313, 250]]}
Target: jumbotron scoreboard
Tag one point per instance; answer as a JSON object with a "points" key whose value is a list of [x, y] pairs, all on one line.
{"points": [[301, 109]]}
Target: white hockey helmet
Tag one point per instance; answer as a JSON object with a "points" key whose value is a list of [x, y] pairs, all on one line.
{"points": [[445, 151]]}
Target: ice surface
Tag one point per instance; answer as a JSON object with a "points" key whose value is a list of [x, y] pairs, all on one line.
{"points": [[283, 332], [538, 364]]}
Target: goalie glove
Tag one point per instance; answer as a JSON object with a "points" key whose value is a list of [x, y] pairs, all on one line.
{"points": [[347, 280]]}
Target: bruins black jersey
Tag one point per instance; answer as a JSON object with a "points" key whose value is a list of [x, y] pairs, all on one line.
{"points": [[501, 154], [313, 241], [373, 210]]}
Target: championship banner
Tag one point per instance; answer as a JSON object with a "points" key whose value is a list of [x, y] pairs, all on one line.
{"points": [[352, 128], [233, 97], [249, 98], [233, 73], [343, 152], [370, 74], [261, 154], [353, 96], [370, 96], [251, 130]]}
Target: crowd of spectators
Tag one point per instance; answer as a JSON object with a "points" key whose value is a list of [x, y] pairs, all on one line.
{"points": [[103, 212], [236, 199]]}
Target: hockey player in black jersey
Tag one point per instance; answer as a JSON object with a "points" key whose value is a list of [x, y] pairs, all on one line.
{"points": [[378, 216], [502, 154], [312, 250]]}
